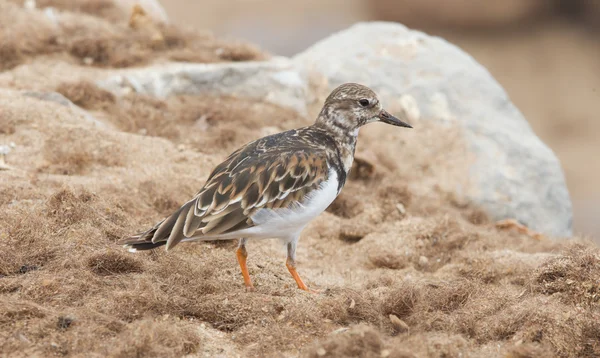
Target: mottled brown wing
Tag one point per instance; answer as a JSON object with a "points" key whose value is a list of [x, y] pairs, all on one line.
{"points": [[270, 180]]}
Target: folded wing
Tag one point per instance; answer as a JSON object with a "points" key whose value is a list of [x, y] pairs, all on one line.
{"points": [[248, 180]]}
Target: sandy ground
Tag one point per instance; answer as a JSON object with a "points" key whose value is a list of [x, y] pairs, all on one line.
{"points": [[405, 268]]}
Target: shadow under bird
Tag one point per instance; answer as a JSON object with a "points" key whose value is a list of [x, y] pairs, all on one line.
{"points": [[274, 186]]}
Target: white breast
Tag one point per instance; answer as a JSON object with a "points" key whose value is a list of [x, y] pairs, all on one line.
{"points": [[286, 222]]}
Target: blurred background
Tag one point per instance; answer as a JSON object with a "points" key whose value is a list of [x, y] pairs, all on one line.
{"points": [[545, 53]]}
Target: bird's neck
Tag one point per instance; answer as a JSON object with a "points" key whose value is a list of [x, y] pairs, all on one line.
{"points": [[344, 138], [347, 149], [337, 124]]}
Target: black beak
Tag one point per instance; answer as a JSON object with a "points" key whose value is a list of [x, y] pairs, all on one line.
{"points": [[385, 117]]}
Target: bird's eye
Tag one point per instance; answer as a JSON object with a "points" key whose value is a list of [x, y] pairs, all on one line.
{"points": [[364, 102]]}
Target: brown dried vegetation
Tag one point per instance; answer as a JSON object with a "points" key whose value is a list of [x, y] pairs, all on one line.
{"points": [[218, 117], [73, 151], [96, 32], [462, 287]]}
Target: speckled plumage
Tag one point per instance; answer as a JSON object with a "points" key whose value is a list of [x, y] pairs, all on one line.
{"points": [[286, 177]]}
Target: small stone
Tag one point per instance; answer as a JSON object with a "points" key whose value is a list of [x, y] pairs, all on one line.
{"points": [[321, 352], [385, 353], [88, 61], [423, 261], [22, 338], [399, 325], [340, 330], [202, 123], [352, 304], [64, 322], [27, 268], [401, 208], [352, 234]]}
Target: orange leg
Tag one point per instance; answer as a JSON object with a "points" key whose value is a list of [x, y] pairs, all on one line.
{"points": [[242, 255], [290, 263], [514, 224], [291, 266]]}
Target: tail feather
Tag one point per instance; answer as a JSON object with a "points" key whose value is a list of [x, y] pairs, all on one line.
{"points": [[171, 227], [185, 225], [176, 231], [142, 241], [142, 246]]}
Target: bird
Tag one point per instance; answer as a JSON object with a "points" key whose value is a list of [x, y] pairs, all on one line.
{"points": [[274, 186]]}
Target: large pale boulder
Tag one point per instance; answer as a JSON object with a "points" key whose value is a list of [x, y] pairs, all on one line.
{"points": [[275, 81], [514, 174]]}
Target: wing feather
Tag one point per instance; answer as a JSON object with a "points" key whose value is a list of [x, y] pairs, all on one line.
{"points": [[253, 185]]}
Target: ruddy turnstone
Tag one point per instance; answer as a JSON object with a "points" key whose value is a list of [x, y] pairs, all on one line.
{"points": [[273, 186]]}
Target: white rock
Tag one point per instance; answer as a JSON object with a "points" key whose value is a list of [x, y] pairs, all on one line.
{"points": [[515, 175], [276, 81]]}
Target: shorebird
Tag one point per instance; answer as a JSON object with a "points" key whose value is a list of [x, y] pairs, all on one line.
{"points": [[274, 186]]}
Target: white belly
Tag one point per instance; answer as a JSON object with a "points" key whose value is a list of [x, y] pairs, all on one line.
{"points": [[288, 222]]}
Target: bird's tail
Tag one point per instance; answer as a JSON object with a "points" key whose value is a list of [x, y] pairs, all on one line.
{"points": [[142, 241], [167, 232]]}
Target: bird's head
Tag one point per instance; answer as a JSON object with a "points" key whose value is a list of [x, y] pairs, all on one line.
{"points": [[351, 106]]}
